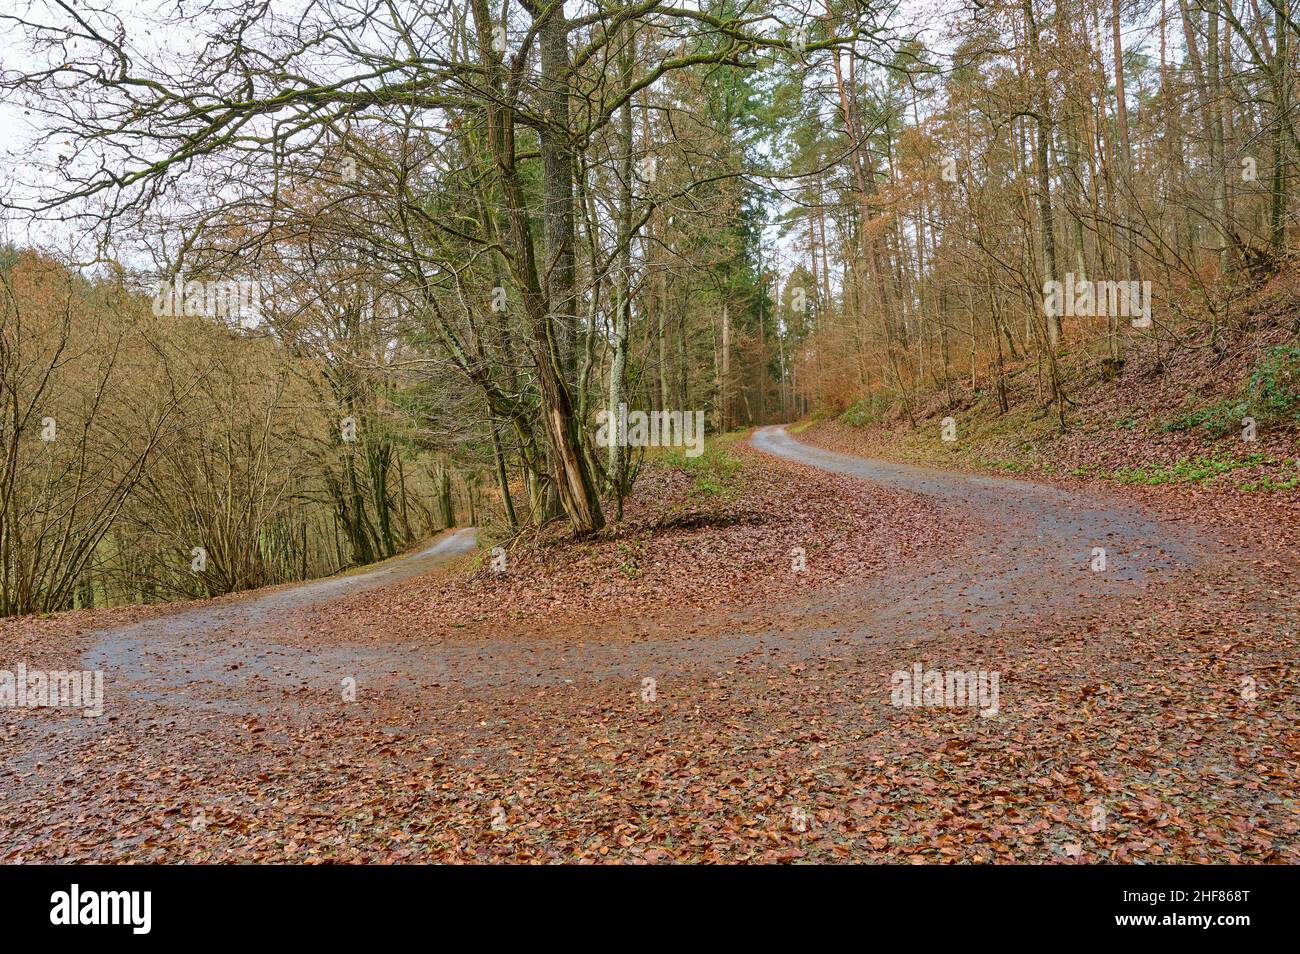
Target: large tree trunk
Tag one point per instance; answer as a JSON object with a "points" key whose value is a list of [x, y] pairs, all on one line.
{"points": [[558, 187], [547, 311], [573, 477]]}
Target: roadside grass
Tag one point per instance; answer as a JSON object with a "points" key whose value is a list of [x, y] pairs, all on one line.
{"points": [[1270, 396], [1005, 442], [1271, 483], [716, 472], [1200, 469], [1011, 443]]}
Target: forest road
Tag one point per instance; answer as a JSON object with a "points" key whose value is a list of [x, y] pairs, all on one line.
{"points": [[182, 678], [207, 644], [190, 688], [1034, 555], [1040, 549]]}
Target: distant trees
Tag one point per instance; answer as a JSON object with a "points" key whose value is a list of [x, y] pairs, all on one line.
{"points": [[1107, 141], [149, 457], [71, 451]]}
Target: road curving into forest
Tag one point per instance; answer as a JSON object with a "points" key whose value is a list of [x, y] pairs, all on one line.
{"points": [[188, 691], [1036, 551], [200, 660], [156, 658], [1032, 558]]}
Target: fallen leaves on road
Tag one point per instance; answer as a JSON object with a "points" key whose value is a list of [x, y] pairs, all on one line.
{"points": [[1124, 734]]}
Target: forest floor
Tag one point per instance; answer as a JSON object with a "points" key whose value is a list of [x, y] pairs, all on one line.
{"points": [[709, 680]]}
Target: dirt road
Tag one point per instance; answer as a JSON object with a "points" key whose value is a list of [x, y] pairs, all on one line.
{"points": [[214, 693], [1037, 550], [1034, 556]]}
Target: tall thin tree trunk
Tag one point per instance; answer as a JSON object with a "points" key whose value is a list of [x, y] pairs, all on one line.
{"points": [[1047, 221], [623, 288]]}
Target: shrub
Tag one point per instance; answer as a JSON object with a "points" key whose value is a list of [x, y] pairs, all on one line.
{"points": [[1272, 395], [716, 472], [868, 410], [1274, 387], [1216, 420]]}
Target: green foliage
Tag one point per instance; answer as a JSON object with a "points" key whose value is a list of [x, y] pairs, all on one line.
{"points": [[1215, 420], [629, 555], [867, 411], [716, 472], [1272, 395], [1186, 469], [1272, 483], [1274, 386]]}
